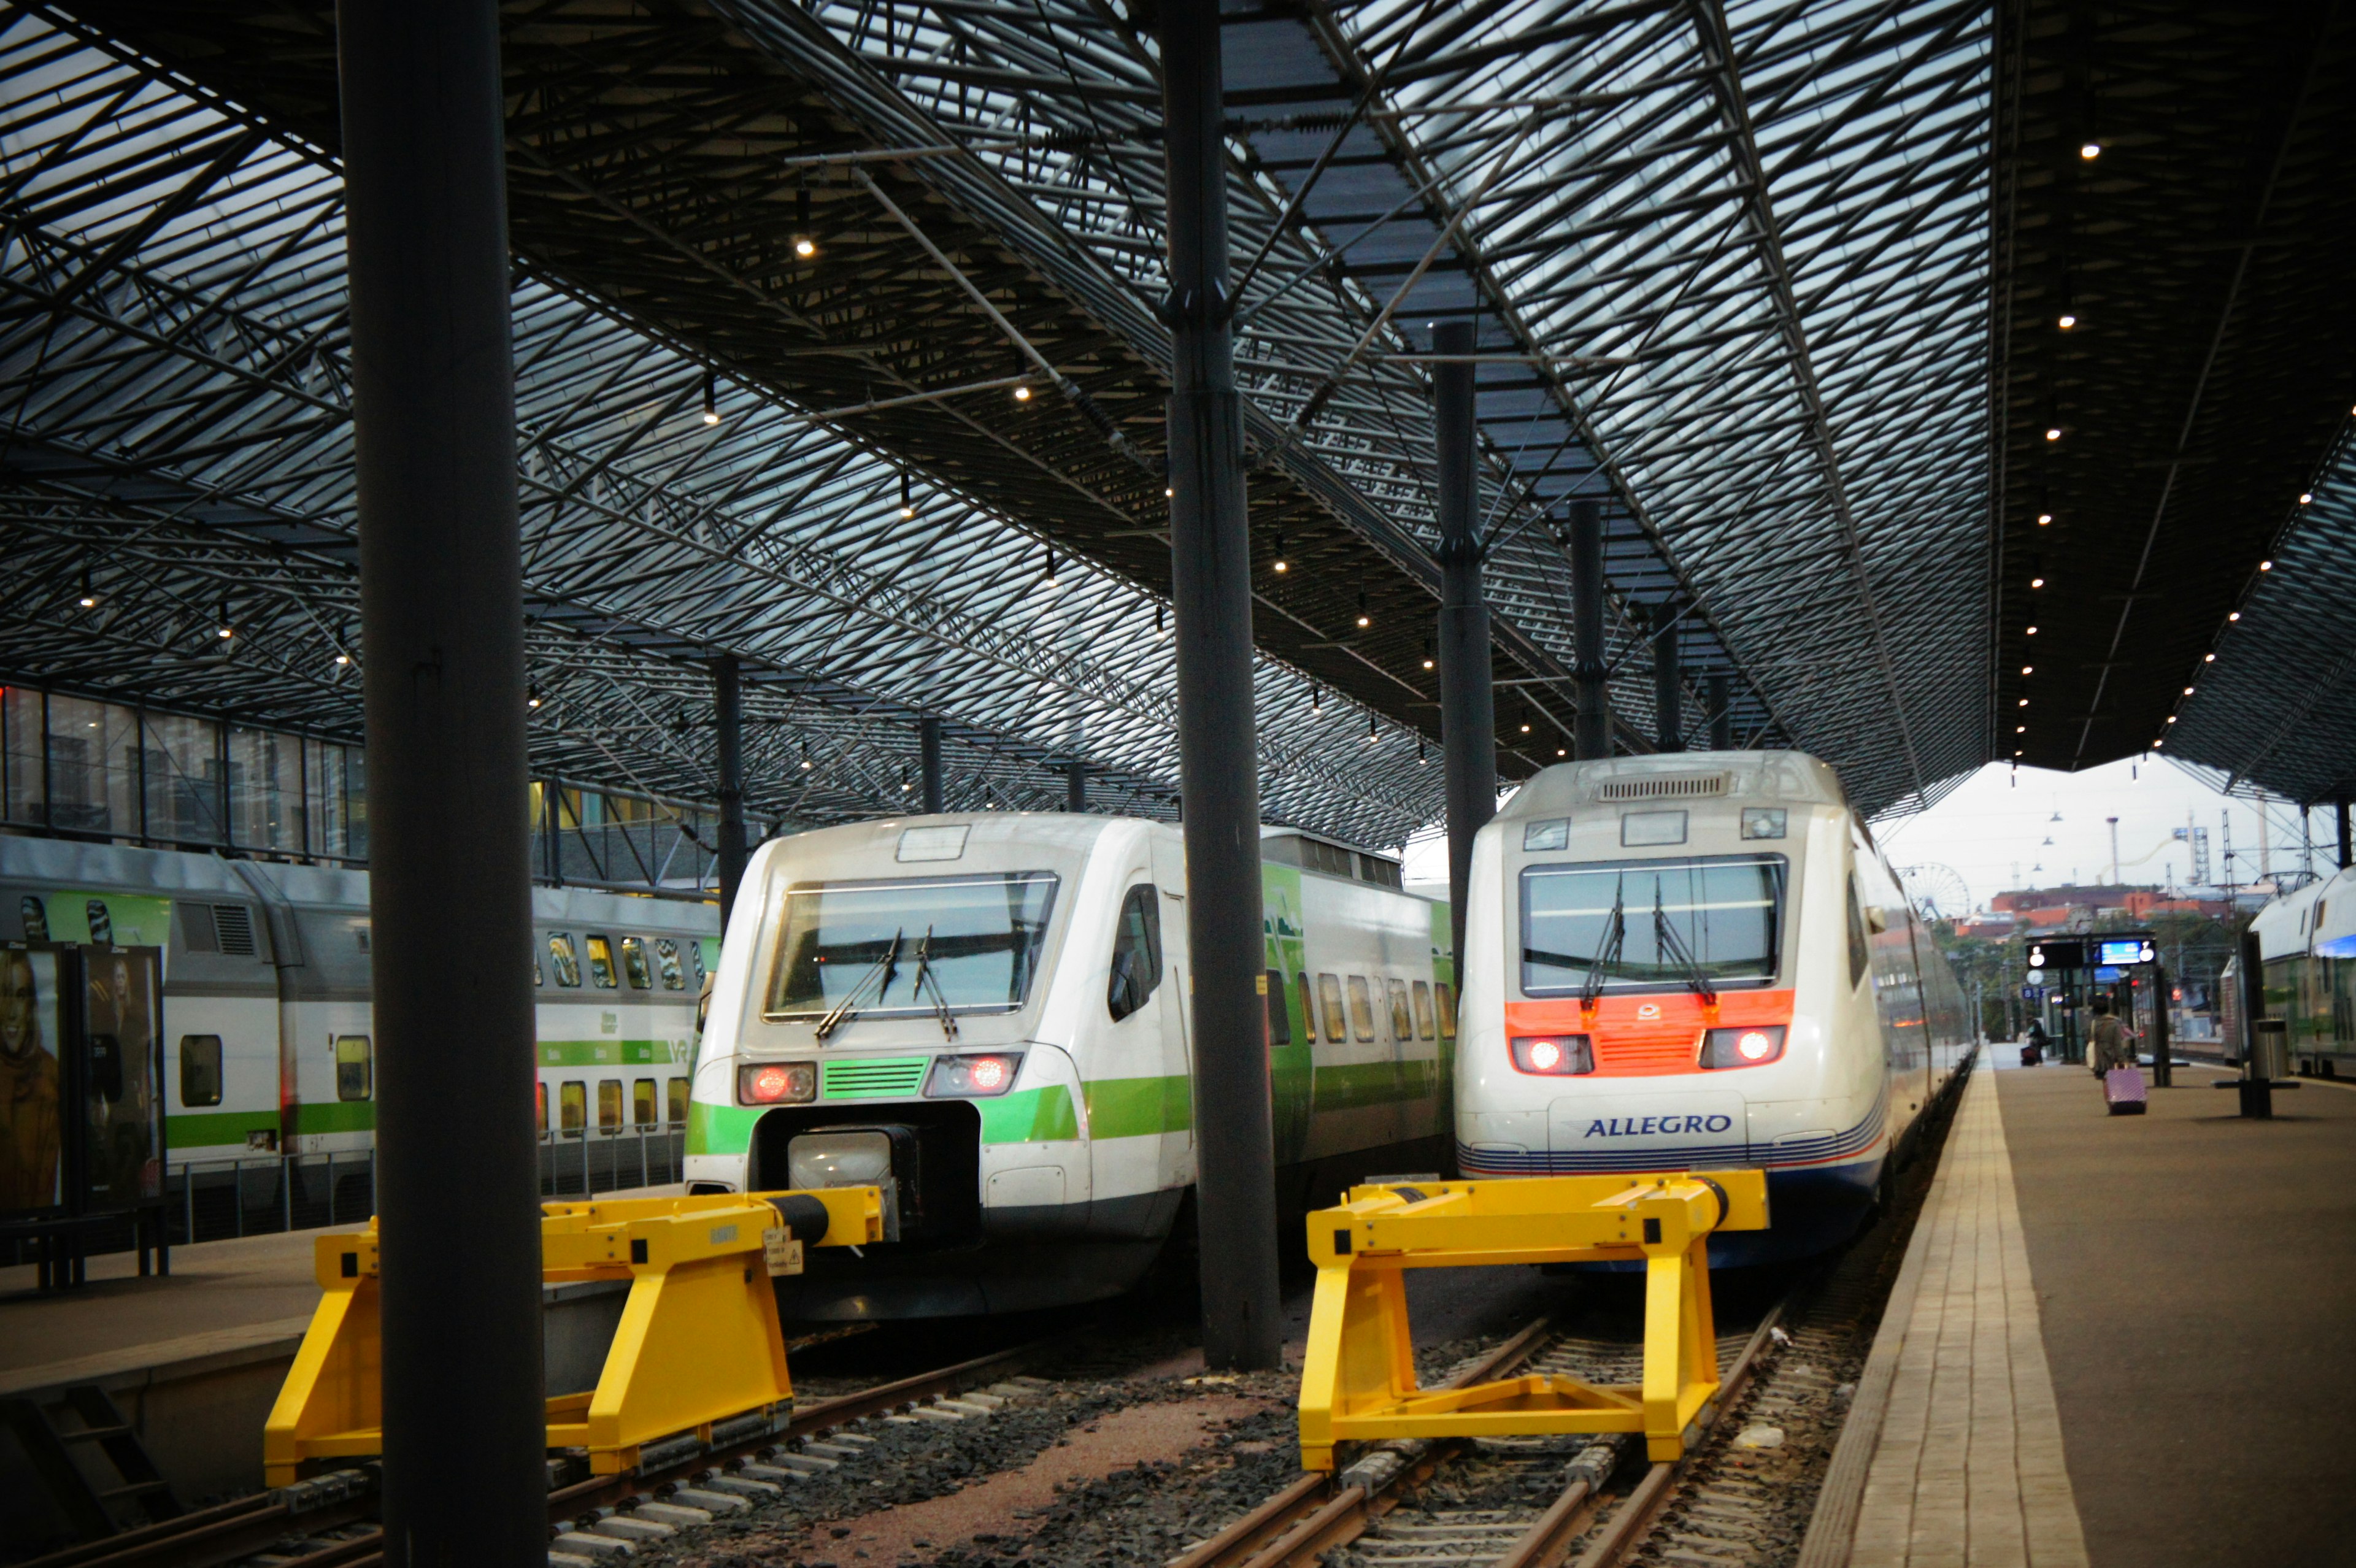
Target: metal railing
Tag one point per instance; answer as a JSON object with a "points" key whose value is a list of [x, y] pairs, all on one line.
{"points": [[214, 1200]]}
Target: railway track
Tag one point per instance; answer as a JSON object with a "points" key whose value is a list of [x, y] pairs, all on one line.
{"points": [[330, 1520]]}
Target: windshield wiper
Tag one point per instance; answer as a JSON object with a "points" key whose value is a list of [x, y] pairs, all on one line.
{"points": [[1666, 940], [1592, 991], [885, 967], [940, 998]]}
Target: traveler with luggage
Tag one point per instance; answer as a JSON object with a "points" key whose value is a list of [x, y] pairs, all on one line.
{"points": [[2110, 1043], [2033, 1052]]}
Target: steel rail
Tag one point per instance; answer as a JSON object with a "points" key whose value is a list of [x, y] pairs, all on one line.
{"points": [[1309, 1516]]}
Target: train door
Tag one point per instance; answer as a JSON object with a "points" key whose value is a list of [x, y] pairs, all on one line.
{"points": [[1169, 861]]}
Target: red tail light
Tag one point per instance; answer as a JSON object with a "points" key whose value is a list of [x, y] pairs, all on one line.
{"points": [[1553, 1055], [972, 1077], [777, 1084]]}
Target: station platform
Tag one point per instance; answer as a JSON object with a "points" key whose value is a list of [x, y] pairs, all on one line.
{"points": [[193, 1359], [2118, 1342]]}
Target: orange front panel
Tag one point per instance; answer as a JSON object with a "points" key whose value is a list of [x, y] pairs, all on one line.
{"points": [[1643, 1037]]}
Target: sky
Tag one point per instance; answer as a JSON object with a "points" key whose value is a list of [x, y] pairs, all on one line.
{"points": [[1992, 830]]}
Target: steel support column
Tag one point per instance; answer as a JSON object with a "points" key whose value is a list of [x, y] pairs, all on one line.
{"points": [[1468, 713], [2340, 819], [928, 765], [728, 694], [450, 885], [1217, 752], [1591, 730], [1076, 787], [1668, 681], [1721, 722]]}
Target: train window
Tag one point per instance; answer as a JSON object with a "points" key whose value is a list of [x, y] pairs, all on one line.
{"points": [[572, 1107], [1328, 992], [200, 1070], [678, 1095], [609, 1104], [984, 937], [634, 964], [1136, 952], [1362, 1008], [1308, 1009], [601, 961], [1446, 998], [1552, 834], [642, 1104], [695, 960], [355, 1072], [540, 1097], [1422, 1009], [674, 978], [1279, 1017], [1859, 955], [1402, 1019], [1650, 926], [561, 959]]}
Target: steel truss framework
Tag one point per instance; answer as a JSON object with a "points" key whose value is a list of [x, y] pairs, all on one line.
{"points": [[2152, 451], [1728, 267]]}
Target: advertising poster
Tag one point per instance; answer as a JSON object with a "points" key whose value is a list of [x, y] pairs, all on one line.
{"points": [[124, 1163], [31, 1084]]}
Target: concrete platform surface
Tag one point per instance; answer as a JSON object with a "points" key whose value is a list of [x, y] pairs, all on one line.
{"points": [[215, 1286], [2195, 1275]]}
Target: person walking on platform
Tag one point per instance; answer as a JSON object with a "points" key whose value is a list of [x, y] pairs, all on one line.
{"points": [[2109, 1039], [2033, 1053]]}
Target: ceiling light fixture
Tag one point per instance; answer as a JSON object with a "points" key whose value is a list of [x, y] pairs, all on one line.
{"points": [[2305, 497], [2188, 691], [2208, 659], [2091, 151], [907, 498], [2044, 519], [2068, 321], [1021, 394], [710, 399], [2233, 616], [2032, 631], [343, 658], [2053, 432], [2265, 566], [2037, 582], [2028, 669]]}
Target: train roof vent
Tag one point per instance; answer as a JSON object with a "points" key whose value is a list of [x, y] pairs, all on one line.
{"points": [[1663, 786], [235, 925]]}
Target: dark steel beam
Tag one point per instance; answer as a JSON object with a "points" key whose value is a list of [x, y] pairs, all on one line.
{"points": [[928, 763], [2340, 817], [1592, 727], [1211, 596], [728, 692], [1669, 685], [450, 890], [1468, 712]]}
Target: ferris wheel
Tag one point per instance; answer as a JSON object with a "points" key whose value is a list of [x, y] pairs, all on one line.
{"points": [[1937, 892]]}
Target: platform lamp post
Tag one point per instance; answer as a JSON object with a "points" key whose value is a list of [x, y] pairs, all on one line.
{"points": [[1219, 755], [728, 707], [928, 765], [1592, 729], [450, 869], [1467, 710]]}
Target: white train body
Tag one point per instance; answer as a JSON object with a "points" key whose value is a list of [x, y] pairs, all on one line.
{"points": [[269, 1026], [1019, 1075], [1830, 1022]]}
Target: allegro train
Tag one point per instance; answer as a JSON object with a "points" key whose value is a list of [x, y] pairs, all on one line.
{"points": [[986, 1014], [1700, 960]]}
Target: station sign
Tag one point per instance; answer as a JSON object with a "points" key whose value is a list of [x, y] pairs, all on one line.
{"points": [[2052, 955], [2114, 951], [2119, 951], [2032, 993]]}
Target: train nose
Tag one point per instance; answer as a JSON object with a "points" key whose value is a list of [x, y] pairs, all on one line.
{"points": [[1638, 1131]]}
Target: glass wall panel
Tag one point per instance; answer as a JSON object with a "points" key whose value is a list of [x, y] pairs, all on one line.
{"points": [[265, 790], [93, 767], [183, 781], [20, 754], [337, 810]]}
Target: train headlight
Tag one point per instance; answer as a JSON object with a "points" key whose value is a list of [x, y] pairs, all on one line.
{"points": [[776, 1083], [1743, 1047], [972, 1077], [1554, 1055]]}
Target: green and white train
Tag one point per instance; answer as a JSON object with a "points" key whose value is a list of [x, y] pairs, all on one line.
{"points": [[987, 1015], [268, 1022]]}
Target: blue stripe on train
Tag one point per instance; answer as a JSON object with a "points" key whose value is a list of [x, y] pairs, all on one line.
{"points": [[1677, 1156]]}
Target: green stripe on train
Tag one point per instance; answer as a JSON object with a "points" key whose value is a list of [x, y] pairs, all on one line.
{"points": [[210, 1129], [1133, 1108], [719, 1129], [1029, 1115], [612, 1053]]}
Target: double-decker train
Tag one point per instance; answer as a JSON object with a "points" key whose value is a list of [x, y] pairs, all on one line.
{"points": [[268, 1033], [1700, 960], [2306, 954], [986, 1014]]}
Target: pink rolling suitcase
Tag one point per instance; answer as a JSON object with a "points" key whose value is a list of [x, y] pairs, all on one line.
{"points": [[2123, 1089]]}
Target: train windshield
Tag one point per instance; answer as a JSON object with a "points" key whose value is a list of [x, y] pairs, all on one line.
{"points": [[1651, 925], [913, 945]]}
